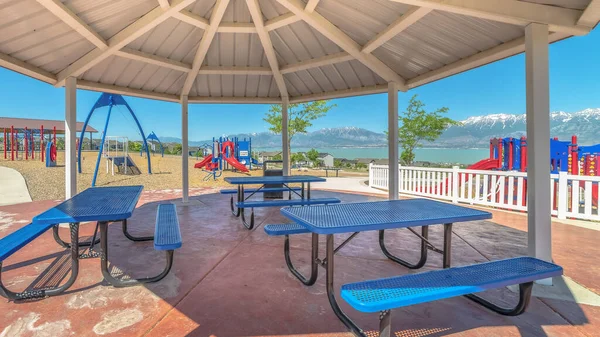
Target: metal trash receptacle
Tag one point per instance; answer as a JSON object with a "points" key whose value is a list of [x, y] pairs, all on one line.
{"points": [[272, 172]]}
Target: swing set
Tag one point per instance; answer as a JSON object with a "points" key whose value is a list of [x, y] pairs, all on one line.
{"points": [[120, 158]]}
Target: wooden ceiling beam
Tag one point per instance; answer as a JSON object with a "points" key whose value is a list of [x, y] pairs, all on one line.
{"points": [[209, 33]]}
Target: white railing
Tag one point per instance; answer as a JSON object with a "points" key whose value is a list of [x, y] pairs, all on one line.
{"points": [[571, 196]]}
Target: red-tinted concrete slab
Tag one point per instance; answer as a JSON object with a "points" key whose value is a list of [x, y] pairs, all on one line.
{"points": [[228, 281]]}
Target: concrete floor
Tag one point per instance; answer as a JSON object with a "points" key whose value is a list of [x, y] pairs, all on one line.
{"points": [[228, 281], [13, 189]]}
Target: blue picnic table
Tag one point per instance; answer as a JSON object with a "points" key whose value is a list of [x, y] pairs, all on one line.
{"points": [[370, 216], [102, 205], [264, 183]]}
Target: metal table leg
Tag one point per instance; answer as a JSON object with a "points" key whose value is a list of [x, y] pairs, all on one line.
{"points": [[524, 298], [129, 282], [31, 294], [331, 293], [524, 288], [240, 197], [134, 238], [384, 317], [422, 260], [447, 255], [314, 272], [67, 245], [248, 225]]}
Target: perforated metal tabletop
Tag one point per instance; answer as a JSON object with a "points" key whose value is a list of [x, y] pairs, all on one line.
{"points": [[94, 204], [273, 180], [378, 215]]}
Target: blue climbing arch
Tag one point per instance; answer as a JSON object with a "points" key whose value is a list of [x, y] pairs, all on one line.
{"points": [[152, 137], [110, 101]]}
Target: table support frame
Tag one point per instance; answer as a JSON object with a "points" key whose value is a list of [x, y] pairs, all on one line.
{"points": [[67, 245], [42, 293], [314, 266], [239, 212], [524, 299], [134, 238], [425, 246], [119, 283], [331, 292]]}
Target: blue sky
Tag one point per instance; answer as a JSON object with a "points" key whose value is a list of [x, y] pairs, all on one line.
{"points": [[495, 88]]}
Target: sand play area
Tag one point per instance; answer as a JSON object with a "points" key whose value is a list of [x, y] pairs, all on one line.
{"points": [[48, 183]]}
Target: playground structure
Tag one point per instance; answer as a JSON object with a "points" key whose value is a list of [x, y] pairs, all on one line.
{"points": [[153, 140], [226, 154], [28, 141], [510, 154], [116, 156], [116, 153]]}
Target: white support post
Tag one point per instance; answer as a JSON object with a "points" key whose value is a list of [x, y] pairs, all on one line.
{"points": [[285, 137], [184, 150], [70, 136], [394, 175], [455, 184], [538, 141]]}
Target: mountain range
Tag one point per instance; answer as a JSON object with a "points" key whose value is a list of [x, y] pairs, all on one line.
{"points": [[323, 138], [473, 132]]}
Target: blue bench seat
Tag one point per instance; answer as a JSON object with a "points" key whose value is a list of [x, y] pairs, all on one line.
{"points": [[262, 190], [17, 240], [167, 235], [285, 229], [406, 290], [283, 203]]}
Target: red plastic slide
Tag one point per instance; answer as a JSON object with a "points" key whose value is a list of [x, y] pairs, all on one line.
{"points": [[233, 162], [204, 161], [595, 195], [485, 164]]}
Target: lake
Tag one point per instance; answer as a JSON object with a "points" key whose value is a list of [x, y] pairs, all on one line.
{"points": [[460, 156]]}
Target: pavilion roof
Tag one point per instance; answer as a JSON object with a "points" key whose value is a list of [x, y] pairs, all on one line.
{"points": [[259, 51], [36, 124]]}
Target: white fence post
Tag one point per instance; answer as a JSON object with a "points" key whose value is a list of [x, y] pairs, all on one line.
{"points": [[563, 192], [572, 197], [400, 180], [455, 182]]}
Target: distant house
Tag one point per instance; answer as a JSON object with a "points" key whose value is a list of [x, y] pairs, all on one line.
{"points": [[193, 151], [267, 155], [375, 161], [304, 162], [366, 161], [326, 159], [348, 162]]}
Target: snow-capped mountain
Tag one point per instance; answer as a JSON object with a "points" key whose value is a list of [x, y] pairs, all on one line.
{"points": [[324, 138], [476, 131]]}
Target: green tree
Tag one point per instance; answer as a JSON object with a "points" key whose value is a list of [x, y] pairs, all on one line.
{"points": [[277, 156], [177, 149], [313, 156], [297, 157], [60, 143], [418, 126], [300, 117], [337, 163], [135, 146], [361, 166]]}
